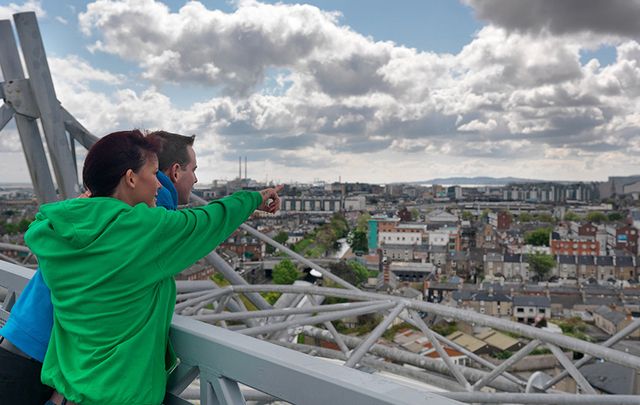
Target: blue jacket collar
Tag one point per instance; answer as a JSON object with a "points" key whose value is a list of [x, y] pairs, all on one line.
{"points": [[167, 195]]}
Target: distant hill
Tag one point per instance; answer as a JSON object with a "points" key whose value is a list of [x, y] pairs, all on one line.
{"points": [[489, 181]]}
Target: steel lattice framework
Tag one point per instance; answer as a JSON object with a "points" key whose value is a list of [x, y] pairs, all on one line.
{"points": [[213, 354]]}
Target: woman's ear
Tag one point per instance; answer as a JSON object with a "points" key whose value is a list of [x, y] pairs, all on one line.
{"points": [[130, 178]]}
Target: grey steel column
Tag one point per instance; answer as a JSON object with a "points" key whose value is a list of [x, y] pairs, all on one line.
{"points": [[6, 113], [443, 354], [230, 274], [77, 130], [521, 354], [27, 127], [50, 110], [364, 347], [571, 368], [227, 391], [271, 327], [334, 332], [610, 342]]}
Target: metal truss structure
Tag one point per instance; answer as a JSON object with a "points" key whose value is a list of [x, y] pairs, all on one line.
{"points": [[254, 355]]}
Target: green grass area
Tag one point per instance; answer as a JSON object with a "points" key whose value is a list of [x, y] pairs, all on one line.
{"points": [[503, 355], [445, 329], [366, 324], [574, 327], [540, 351]]}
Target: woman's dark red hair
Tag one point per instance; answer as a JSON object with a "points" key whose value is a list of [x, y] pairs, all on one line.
{"points": [[110, 158]]}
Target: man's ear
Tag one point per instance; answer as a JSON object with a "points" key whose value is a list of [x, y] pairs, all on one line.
{"points": [[174, 169], [130, 178]]}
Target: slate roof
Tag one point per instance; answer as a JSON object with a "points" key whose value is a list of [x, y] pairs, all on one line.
{"points": [[624, 261], [512, 258], [610, 377], [602, 300], [531, 301], [566, 259], [612, 316], [604, 260], [586, 260]]}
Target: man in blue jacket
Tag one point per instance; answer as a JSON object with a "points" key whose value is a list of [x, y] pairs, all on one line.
{"points": [[25, 337]]}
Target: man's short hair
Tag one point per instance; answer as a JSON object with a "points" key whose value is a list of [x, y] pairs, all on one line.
{"points": [[174, 148]]}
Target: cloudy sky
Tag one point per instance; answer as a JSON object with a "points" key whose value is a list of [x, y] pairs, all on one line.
{"points": [[373, 90]]}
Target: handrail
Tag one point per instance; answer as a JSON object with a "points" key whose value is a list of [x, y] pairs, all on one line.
{"points": [[223, 359]]}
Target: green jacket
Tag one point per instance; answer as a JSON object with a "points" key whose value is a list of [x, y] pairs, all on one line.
{"points": [[110, 268]]}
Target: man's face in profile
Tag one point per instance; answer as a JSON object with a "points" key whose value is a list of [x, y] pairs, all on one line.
{"points": [[186, 177]]}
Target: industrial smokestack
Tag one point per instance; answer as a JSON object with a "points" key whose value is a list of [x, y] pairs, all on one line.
{"points": [[245, 168], [239, 167]]}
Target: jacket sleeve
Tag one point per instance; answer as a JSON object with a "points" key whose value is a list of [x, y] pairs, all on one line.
{"points": [[185, 236]]}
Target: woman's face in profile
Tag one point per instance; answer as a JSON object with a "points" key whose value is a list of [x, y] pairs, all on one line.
{"points": [[147, 184]]}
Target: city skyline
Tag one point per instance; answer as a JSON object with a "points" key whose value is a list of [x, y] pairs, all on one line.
{"points": [[329, 90]]}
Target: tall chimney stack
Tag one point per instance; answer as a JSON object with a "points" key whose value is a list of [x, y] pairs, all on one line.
{"points": [[245, 168], [239, 167]]}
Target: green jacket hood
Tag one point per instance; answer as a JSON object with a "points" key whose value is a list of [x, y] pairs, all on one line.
{"points": [[77, 222]]}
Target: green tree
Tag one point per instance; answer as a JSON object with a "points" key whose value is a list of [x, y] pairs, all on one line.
{"points": [[541, 264], [525, 217], [596, 216], [415, 214], [544, 217], [466, 216], [362, 223], [571, 216], [360, 271], [23, 225], [538, 237], [339, 225], [351, 272], [614, 216], [358, 241], [285, 272], [281, 237], [485, 214]]}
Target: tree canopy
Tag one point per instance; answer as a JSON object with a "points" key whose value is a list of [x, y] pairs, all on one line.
{"points": [[538, 237], [285, 272], [614, 216], [281, 238], [571, 216], [358, 241], [541, 264], [352, 271], [362, 223], [596, 216]]}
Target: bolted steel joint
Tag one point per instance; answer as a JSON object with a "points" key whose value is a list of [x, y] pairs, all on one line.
{"points": [[18, 95]]}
